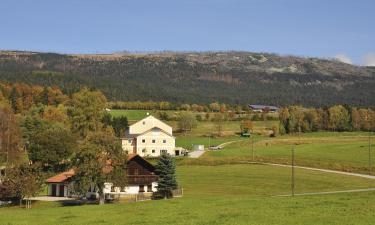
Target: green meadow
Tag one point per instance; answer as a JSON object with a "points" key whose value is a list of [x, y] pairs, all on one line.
{"points": [[339, 151], [225, 194]]}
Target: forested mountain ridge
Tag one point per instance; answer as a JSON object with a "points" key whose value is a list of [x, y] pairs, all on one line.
{"points": [[192, 77]]}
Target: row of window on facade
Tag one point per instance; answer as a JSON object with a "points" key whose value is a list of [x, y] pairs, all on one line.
{"points": [[144, 141], [142, 188], [153, 151]]}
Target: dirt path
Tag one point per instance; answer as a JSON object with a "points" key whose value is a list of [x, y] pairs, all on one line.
{"points": [[321, 170], [196, 154], [329, 192], [222, 145]]}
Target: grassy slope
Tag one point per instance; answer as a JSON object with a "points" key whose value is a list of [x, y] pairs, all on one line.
{"points": [[342, 151], [228, 194]]}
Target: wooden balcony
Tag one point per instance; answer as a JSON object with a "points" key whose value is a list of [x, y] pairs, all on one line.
{"points": [[141, 179]]}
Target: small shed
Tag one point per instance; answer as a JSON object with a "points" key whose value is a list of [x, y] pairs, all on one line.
{"points": [[198, 147]]}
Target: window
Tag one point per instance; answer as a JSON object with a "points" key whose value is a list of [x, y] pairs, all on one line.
{"points": [[130, 141], [164, 141], [143, 141], [163, 151], [141, 188], [153, 150], [149, 188], [153, 141], [144, 122], [143, 150]]}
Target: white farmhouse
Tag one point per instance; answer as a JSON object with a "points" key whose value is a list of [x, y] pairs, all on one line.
{"points": [[150, 137]]}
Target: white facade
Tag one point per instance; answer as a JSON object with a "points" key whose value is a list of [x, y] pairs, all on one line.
{"points": [[130, 189], [149, 137]]}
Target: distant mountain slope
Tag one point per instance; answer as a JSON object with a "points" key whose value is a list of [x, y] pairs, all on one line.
{"points": [[230, 77]]}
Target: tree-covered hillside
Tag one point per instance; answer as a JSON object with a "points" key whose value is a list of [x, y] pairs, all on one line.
{"points": [[228, 77]]}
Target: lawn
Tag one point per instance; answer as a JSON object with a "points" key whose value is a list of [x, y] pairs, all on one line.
{"points": [[227, 194], [341, 151], [132, 115]]}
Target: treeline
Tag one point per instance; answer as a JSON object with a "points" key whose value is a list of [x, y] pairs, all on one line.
{"points": [[164, 105], [22, 96], [336, 118]]}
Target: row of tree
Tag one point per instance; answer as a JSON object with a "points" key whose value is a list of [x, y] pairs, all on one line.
{"points": [[151, 105], [335, 118], [22, 96]]}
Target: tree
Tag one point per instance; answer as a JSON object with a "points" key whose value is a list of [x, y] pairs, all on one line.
{"points": [[56, 114], [355, 119], [187, 121], [339, 118], [165, 169], [246, 126], [219, 120], [284, 119], [274, 131], [52, 146], [87, 111], [10, 136], [215, 107], [23, 181], [13, 99], [120, 124], [99, 159], [185, 107]]}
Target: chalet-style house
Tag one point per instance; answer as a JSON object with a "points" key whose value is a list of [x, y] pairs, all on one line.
{"points": [[263, 108], [150, 137], [140, 177]]}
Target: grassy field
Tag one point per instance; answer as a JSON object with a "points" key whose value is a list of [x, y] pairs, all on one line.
{"points": [[227, 194], [132, 115], [341, 151]]}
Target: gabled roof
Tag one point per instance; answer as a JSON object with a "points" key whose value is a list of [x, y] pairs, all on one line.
{"points": [[152, 129], [62, 177], [148, 118]]}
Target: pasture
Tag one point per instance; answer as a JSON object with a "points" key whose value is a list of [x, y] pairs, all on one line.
{"points": [[226, 194], [347, 151]]}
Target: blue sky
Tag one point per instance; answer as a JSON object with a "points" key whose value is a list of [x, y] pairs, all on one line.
{"points": [[322, 28]]}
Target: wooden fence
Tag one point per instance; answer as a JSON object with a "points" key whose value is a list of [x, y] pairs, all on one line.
{"points": [[179, 192]]}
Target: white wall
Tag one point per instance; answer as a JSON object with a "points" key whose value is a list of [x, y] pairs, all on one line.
{"points": [[146, 149]]}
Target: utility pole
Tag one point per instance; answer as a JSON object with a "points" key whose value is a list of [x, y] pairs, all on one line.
{"points": [[252, 147], [293, 172], [369, 154]]}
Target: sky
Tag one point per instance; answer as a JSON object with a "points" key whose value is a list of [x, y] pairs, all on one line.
{"points": [[342, 29]]}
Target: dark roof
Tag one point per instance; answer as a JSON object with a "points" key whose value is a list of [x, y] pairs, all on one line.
{"points": [[271, 107], [63, 177]]}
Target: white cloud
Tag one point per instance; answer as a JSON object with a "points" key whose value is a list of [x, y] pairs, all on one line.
{"points": [[369, 59], [344, 58]]}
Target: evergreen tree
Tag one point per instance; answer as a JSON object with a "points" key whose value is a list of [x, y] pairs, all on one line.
{"points": [[119, 125], [166, 171], [44, 96], [13, 99]]}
